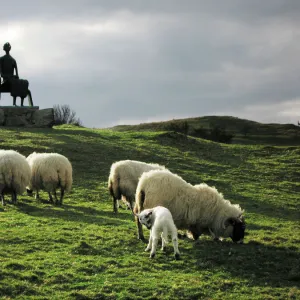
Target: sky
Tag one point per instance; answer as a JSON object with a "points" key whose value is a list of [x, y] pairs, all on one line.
{"points": [[136, 61]]}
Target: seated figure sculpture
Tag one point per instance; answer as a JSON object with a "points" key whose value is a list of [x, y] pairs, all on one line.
{"points": [[9, 78]]}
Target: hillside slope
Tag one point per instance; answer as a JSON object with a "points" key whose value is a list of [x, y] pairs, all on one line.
{"points": [[84, 251], [244, 131]]}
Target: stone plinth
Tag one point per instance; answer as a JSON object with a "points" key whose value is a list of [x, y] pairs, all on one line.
{"points": [[26, 116]]}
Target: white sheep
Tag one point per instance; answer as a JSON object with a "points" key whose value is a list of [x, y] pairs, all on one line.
{"points": [[50, 171], [14, 174], [123, 180], [199, 208], [159, 220]]}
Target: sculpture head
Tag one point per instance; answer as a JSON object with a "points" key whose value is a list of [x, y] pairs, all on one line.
{"points": [[6, 47]]}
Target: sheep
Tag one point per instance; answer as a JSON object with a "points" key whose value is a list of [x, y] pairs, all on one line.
{"points": [[159, 220], [123, 180], [199, 208], [49, 171], [14, 174]]}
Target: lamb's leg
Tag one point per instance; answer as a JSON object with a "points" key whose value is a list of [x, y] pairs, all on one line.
{"points": [[164, 240], [37, 195], [154, 245], [175, 244], [150, 243]]}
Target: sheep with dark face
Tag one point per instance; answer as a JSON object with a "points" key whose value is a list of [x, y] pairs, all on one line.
{"points": [[199, 208], [14, 174], [159, 221], [123, 179]]}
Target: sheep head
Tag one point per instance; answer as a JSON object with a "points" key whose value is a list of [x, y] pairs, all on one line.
{"points": [[238, 228]]}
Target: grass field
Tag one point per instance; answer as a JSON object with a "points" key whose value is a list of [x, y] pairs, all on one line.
{"points": [[84, 251]]}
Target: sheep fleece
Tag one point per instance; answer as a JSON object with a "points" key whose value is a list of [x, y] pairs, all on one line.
{"points": [[49, 171], [14, 171]]}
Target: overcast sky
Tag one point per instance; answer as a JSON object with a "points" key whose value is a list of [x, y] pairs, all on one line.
{"points": [[128, 62]]}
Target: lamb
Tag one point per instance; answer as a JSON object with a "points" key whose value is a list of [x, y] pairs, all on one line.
{"points": [[199, 208], [14, 174], [159, 220], [50, 171], [123, 180]]}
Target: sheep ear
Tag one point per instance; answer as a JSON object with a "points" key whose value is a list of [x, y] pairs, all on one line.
{"points": [[149, 213]]}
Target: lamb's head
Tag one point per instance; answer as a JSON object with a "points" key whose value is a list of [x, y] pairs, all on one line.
{"points": [[235, 228], [145, 218]]}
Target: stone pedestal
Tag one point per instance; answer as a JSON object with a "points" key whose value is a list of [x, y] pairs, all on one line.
{"points": [[26, 116]]}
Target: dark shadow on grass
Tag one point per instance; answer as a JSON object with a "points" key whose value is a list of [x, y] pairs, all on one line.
{"points": [[259, 264], [70, 213]]}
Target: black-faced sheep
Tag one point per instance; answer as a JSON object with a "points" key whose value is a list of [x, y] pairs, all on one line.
{"points": [[50, 171], [199, 208], [123, 179], [160, 222], [14, 174]]}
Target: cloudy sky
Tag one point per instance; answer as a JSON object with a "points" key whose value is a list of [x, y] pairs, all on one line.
{"points": [[133, 61]]}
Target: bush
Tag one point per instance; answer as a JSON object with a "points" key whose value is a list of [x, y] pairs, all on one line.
{"points": [[63, 114]]}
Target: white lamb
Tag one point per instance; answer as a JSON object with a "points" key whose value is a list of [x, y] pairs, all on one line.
{"points": [[159, 220], [14, 174], [50, 171], [199, 208], [123, 179]]}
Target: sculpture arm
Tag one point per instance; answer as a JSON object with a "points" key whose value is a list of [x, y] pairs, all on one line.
{"points": [[16, 67]]}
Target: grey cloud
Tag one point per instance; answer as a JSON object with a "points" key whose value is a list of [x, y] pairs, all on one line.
{"points": [[172, 58]]}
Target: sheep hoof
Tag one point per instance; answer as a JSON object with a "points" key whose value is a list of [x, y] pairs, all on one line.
{"points": [[177, 256], [152, 255]]}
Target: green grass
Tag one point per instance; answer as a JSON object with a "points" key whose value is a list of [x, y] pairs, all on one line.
{"points": [[84, 251]]}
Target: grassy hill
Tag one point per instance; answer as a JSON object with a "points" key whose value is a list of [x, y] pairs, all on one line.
{"points": [[84, 251], [244, 131]]}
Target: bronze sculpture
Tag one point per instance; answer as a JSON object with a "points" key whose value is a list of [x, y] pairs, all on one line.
{"points": [[10, 82]]}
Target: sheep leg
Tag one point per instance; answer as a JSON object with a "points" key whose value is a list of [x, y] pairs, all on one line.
{"points": [[2, 198], [37, 195], [62, 193], [215, 238], [140, 229], [50, 197], [55, 197], [115, 205], [14, 197], [175, 245], [195, 232]]}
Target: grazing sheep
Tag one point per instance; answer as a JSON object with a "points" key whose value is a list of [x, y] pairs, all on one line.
{"points": [[123, 179], [199, 208], [159, 220], [14, 174], [50, 171]]}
